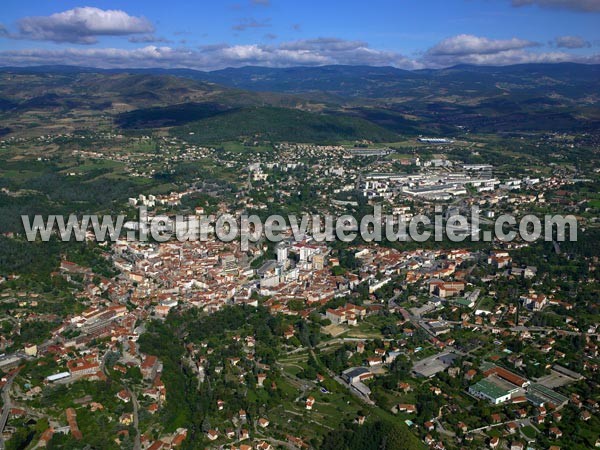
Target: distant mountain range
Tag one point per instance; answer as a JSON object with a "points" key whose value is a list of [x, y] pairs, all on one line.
{"points": [[569, 79], [381, 102]]}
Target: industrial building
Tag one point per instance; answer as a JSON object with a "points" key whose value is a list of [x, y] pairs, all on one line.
{"points": [[488, 390]]}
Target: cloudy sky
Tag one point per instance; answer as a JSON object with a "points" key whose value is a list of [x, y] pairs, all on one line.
{"points": [[209, 35]]}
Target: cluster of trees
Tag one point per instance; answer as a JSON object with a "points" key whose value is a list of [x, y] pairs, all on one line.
{"points": [[192, 405], [281, 124], [376, 435]]}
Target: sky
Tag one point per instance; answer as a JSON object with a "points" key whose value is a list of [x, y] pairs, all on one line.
{"points": [[210, 35]]}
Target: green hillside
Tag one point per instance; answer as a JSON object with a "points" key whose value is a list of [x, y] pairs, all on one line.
{"points": [[280, 124]]}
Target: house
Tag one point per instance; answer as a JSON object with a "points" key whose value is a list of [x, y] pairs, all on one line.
{"points": [[521, 413], [244, 434], [126, 419], [512, 427], [499, 259], [494, 442], [72, 421], [260, 378], [429, 426], [538, 420], [336, 317], [179, 437], [446, 289], [289, 333], [87, 365], [374, 361], [516, 446], [124, 396], [17, 412], [149, 367], [555, 432], [496, 418], [30, 349], [158, 445], [407, 408], [346, 314], [508, 376], [212, 434], [534, 302], [404, 387], [242, 414], [45, 437], [263, 423], [453, 371], [296, 441], [310, 401], [263, 445]]}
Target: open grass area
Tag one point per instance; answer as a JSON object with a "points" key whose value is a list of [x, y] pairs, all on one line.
{"points": [[370, 327], [334, 330], [529, 431], [240, 147]]}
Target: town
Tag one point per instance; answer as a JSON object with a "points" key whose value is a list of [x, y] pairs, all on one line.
{"points": [[467, 345]]}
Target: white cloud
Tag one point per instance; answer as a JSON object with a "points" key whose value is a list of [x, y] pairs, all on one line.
{"points": [[575, 5], [467, 44], [469, 49], [509, 57], [313, 52], [340, 51], [570, 42], [307, 52], [81, 25]]}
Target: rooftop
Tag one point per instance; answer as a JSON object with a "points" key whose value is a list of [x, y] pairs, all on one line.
{"points": [[489, 389]]}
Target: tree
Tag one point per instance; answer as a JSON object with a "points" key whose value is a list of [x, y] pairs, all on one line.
{"points": [[206, 425]]}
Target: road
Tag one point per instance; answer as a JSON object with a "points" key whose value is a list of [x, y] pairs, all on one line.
{"points": [[6, 405], [137, 445], [526, 421], [521, 328]]}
